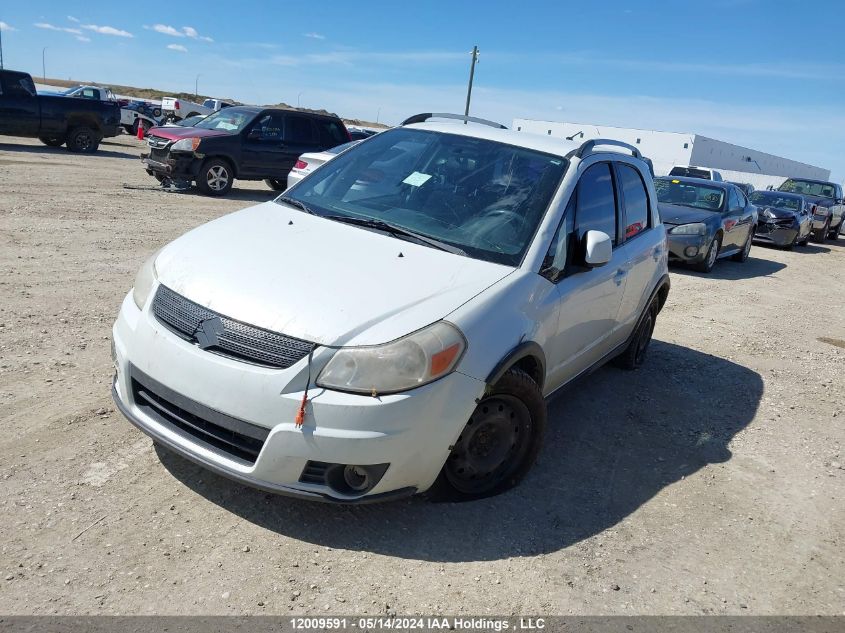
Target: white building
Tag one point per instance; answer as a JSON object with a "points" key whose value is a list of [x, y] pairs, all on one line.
{"points": [[667, 149]]}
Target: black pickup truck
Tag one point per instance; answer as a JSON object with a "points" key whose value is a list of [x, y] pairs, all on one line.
{"points": [[79, 123]]}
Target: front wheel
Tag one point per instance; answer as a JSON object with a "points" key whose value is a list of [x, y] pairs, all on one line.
{"points": [[712, 255], [820, 234], [275, 184], [742, 256], [833, 234], [498, 445], [215, 177], [52, 141]]}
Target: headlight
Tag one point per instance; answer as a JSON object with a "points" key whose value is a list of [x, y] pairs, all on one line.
{"points": [[697, 228], [186, 145], [408, 362], [144, 281]]}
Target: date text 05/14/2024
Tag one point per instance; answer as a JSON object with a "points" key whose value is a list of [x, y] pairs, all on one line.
{"points": [[418, 623]]}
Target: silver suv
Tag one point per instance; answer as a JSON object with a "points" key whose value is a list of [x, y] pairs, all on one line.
{"points": [[393, 323]]}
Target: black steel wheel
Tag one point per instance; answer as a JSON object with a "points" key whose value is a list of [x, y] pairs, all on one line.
{"points": [[82, 139], [635, 354], [498, 444], [275, 184]]}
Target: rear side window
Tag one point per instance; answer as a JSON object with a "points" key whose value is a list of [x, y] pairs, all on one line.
{"points": [[596, 205], [636, 200], [331, 133], [18, 86], [733, 200], [299, 129]]}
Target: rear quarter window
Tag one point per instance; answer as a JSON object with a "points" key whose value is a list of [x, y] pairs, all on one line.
{"points": [[331, 133]]}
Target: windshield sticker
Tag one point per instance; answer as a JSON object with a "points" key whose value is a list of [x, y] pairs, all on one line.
{"points": [[417, 179]]}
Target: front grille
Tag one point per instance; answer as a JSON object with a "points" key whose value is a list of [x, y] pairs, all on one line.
{"points": [[159, 155], [234, 339], [157, 142], [235, 437]]}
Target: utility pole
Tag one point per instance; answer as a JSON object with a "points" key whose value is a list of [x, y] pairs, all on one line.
{"points": [[196, 83], [43, 66], [471, 75], [1, 49]]}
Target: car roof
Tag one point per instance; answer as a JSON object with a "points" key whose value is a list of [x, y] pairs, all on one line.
{"points": [[538, 142], [721, 184], [818, 182]]}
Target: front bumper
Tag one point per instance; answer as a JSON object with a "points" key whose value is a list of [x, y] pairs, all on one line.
{"points": [[689, 249], [412, 431], [773, 233], [175, 165]]}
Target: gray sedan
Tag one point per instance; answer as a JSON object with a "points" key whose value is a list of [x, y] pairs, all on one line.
{"points": [[784, 218]]}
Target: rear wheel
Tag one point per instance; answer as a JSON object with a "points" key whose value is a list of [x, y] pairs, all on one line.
{"points": [[635, 354], [52, 141], [215, 177], [275, 184], [498, 445], [834, 232], [83, 139], [712, 255]]}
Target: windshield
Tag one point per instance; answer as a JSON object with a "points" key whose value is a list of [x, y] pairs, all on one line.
{"points": [[230, 120], [687, 194], [770, 199], [821, 189], [483, 197]]}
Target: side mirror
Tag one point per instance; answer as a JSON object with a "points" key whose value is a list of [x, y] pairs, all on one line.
{"points": [[598, 248]]}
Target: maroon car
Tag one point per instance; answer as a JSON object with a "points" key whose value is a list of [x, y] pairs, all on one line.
{"points": [[245, 142]]}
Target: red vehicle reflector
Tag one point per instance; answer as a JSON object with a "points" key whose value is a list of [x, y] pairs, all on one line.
{"points": [[300, 164]]}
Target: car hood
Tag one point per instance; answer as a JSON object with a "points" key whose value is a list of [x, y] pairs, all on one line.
{"points": [[678, 214], [178, 133], [319, 280]]}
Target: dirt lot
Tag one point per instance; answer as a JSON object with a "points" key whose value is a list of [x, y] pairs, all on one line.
{"points": [[711, 481]]}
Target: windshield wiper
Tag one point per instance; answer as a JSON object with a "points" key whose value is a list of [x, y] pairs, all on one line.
{"points": [[381, 225], [296, 203]]}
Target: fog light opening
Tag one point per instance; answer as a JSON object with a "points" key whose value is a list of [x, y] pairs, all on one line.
{"points": [[691, 251], [356, 478]]}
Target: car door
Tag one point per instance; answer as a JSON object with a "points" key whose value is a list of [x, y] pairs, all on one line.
{"points": [[301, 136], [735, 230], [263, 145], [589, 298], [642, 244], [19, 106]]}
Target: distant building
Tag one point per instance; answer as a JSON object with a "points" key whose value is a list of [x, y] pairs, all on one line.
{"points": [[667, 149]]}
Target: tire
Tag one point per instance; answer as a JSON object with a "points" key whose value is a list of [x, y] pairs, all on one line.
{"points": [[215, 177], [275, 184], [52, 141], [480, 463], [127, 129], [742, 256], [819, 235], [712, 255], [833, 234], [634, 355], [83, 140]]}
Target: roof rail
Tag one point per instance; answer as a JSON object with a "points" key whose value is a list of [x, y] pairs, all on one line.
{"points": [[425, 116], [587, 147]]}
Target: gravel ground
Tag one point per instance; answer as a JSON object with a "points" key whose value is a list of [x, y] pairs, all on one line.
{"points": [[710, 481]]}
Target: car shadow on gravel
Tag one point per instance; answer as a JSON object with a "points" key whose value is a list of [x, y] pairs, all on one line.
{"points": [[61, 151], [727, 269], [614, 441]]}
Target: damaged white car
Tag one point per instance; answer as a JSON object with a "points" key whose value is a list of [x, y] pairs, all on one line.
{"points": [[393, 323]]}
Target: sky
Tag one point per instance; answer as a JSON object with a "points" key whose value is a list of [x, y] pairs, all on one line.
{"points": [[765, 74]]}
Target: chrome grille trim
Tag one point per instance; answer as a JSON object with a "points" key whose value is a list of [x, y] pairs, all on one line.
{"points": [[237, 340]]}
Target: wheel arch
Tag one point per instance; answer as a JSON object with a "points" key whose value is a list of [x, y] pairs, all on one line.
{"points": [[527, 356]]}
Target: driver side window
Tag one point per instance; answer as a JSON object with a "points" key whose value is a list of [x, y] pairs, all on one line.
{"points": [[268, 129]]}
